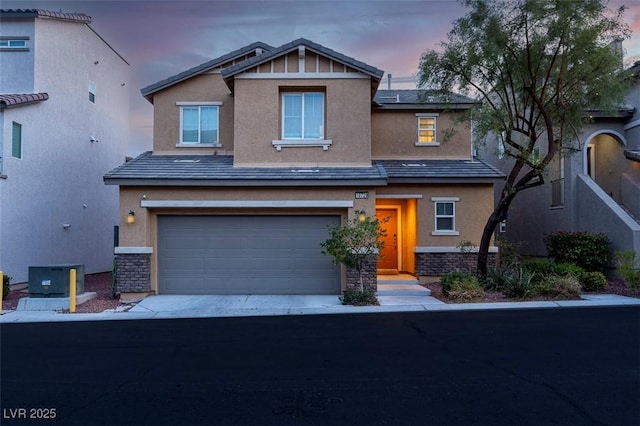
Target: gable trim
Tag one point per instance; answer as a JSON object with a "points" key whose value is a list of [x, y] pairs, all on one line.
{"points": [[300, 75]]}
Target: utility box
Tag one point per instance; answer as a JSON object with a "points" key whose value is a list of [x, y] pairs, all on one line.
{"points": [[53, 280]]}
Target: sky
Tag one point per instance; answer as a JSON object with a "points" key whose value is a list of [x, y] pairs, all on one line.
{"points": [[162, 38]]}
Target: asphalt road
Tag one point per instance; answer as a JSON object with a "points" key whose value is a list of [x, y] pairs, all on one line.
{"points": [[577, 366]]}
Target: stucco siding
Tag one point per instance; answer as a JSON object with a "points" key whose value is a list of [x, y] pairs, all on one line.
{"points": [[395, 134], [17, 66]]}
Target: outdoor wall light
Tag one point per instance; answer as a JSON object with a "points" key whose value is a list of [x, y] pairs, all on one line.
{"points": [[362, 216], [131, 217]]}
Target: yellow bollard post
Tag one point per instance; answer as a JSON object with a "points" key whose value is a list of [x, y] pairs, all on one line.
{"points": [[72, 290], [1, 290]]}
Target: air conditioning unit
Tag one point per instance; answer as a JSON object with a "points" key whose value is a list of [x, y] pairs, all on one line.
{"points": [[53, 280]]}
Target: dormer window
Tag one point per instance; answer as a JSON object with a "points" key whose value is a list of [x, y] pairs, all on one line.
{"points": [[199, 123], [303, 115]]}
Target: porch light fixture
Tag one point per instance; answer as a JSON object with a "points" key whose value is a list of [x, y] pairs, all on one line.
{"points": [[131, 217], [362, 216]]}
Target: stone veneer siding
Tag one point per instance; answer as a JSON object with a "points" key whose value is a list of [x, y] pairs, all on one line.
{"points": [[369, 276], [439, 264], [133, 273]]}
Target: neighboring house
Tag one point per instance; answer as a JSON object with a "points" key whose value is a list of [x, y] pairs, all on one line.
{"points": [[595, 189], [64, 123], [255, 153]]}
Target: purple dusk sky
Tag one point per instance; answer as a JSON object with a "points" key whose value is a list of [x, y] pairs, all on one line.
{"points": [[162, 38]]}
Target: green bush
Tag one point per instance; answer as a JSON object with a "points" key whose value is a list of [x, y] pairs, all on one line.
{"points": [[540, 267], [593, 281], [569, 269], [454, 277], [359, 298], [629, 267], [519, 283], [586, 249], [466, 290], [5, 286], [559, 287]]}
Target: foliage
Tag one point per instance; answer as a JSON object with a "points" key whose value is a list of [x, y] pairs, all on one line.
{"points": [[455, 278], [114, 279], [559, 287], [5, 286], [355, 241], [593, 281], [519, 283], [540, 267], [569, 269], [629, 267], [466, 290], [359, 298], [466, 246], [509, 252], [535, 66], [586, 249]]}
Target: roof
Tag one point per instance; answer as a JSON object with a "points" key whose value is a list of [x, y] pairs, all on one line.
{"points": [[41, 13], [15, 100], [632, 155], [439, 170], [205, 66], [291, 46], [403, 99], [218, 170]]}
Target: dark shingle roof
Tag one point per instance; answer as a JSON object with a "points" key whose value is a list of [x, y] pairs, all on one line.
{"points": [[401, 99], [288, 47], [20, 99], [218, 170], [149, 90], [438, 170], [40, 13]]}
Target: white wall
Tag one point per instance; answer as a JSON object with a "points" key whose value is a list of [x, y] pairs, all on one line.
{"points": [[59, 179]]}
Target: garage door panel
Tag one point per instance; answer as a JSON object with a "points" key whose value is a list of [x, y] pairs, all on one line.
{"points": [[245, 255]]}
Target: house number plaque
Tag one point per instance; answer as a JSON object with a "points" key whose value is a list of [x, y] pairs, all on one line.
{"points": [[363, 195]]}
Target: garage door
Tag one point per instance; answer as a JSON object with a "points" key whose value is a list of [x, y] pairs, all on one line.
{"points": [[245, 255]]}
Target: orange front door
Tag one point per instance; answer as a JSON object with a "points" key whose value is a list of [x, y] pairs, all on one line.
{"points": [[388, 260]]}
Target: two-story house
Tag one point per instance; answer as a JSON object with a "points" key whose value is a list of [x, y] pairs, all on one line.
{"points": [[64, 122], [256, 152]]}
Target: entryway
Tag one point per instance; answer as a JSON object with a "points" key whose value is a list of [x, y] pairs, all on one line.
{"points": [[400, 225]]}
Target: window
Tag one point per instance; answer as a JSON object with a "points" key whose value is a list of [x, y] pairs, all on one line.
{"points": [[199, 124], [92, 92], [13, 44], [445, 215], [16, 140], [303, 115], [427, 129]]}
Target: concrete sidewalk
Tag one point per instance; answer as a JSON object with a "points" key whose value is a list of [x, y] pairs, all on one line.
{"points": [[169, 306]]}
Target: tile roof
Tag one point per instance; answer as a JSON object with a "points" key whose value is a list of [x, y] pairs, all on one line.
{"points": [[632, 155], [404, 98], [420, 170], [288, 47], [19, 99], [41, 13], [218, 170], [149, 90]]}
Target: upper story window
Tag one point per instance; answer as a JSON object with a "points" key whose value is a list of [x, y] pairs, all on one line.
{"points": [[7, 43], [445, 215], [199, 123], [16, 140], [427, 129], [303, 115], [92, 92]]}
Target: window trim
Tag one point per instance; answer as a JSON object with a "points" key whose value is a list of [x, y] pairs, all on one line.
{"points": [[15, 125], [440, 200], [198, 104], [435, 129], [324, 115], [9, 40]]}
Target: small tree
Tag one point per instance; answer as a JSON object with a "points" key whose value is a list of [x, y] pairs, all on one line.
{"points": [[355, 241]]}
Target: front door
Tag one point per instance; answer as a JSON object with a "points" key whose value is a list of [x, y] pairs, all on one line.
{"points": [[388, 261]]}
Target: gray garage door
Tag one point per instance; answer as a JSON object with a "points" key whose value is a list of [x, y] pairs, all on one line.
{"points": [[245, 255]]}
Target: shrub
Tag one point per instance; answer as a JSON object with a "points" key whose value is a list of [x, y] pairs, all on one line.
{"points": [[629, 267], [495, 279], [359, 298], [593, 281], [5, 286], [569, 269], [466, 290], [519, 283], [586, 249], [540, 267], [456, 276], [559, 287]]}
